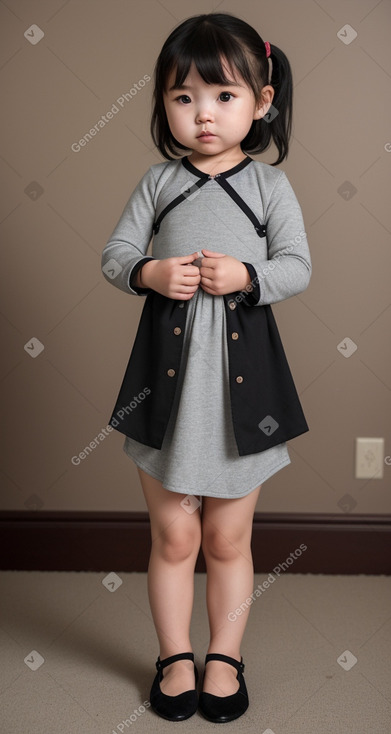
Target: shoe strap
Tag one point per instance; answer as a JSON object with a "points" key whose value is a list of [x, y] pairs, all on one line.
{"points": [[160, 664], [225, 659]]}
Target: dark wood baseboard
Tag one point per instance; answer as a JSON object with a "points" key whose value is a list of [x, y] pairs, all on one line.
{"points": [[120, 541]]}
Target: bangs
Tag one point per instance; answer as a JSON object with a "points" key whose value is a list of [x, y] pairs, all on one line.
{"points": [[209, 48]]}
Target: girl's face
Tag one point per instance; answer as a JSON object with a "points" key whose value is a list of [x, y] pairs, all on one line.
{"points": [[224, 112]]}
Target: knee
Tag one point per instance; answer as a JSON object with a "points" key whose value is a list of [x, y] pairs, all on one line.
{"points": [[176, 545], [223, 546]]}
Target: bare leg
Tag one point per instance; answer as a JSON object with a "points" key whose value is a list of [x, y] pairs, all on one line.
{"points": [[176, 539], [226, 538]]}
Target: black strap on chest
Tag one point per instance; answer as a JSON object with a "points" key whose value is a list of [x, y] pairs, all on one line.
{"points": [[175, 202], [259, 228], [221, 179]]}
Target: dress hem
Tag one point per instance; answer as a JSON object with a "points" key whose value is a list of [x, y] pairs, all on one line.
{"points": [[153, 474]]}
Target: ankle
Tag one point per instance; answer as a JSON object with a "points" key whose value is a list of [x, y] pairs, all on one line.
{"points": [[167, 653], [223, 650], [179, 665]]}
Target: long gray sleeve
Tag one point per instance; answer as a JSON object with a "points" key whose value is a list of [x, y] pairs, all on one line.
{"points": [[129, 241], [287, 270]]}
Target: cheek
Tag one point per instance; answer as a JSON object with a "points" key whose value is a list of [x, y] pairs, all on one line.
{"points": [[240, 117], [245, 119], [174, 117]]}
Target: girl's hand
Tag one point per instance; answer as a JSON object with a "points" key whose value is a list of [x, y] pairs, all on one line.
{"points": [[222, 274], [173, 277]]}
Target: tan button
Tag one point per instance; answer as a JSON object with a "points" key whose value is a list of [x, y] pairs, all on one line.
{"points": [[177, 330], [232, 305], [239, 378], [181, 305], [171, 373], [235, 335]]}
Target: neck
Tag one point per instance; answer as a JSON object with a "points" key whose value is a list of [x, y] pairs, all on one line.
{"points": [[217, 163]]}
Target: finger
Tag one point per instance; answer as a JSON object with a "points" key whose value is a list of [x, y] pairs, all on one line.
{"points": [[207, 288], [184, 259], [192, 278], [210, 253], [208, 267], [195, 270]]}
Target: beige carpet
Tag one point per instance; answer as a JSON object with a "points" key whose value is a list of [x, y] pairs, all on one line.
{"points": [[78, 655]]}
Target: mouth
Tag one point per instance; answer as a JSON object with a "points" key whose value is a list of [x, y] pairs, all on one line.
{"points": [[206, 134]]}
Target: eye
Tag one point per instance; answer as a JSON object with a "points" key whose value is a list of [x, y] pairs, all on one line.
{"points": [[183, 99], [225, 96]]}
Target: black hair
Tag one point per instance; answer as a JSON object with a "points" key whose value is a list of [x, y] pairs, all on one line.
{"points": [[204, 40]]}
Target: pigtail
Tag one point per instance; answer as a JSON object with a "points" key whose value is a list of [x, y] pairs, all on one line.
{"points": [[277, 124], [281, 125]]}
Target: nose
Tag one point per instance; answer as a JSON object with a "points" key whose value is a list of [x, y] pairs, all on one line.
{"points": [[204, 115]]}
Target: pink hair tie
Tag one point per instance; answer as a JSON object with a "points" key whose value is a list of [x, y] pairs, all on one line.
{"points": [[268, 50]]}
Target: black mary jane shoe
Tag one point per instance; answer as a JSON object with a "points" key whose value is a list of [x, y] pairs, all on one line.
{"points": [[225, 708], [173, 708]]}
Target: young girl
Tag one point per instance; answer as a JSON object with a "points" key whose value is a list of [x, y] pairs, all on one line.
{"points": [[208, 402]]}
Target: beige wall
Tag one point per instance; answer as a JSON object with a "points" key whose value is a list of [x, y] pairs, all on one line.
{"points": [[53, 92]]}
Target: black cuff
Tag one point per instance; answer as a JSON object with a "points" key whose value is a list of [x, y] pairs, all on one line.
{"points": [[252, 296], [132, 276]]}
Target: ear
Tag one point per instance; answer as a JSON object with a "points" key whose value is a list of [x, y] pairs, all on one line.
{"points": [[263, 106]]}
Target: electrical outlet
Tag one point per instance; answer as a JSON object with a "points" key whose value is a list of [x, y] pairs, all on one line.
{"points": [[369, 458]]}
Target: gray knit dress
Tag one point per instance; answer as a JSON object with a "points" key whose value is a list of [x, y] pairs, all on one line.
{"points": [[199, 455]]}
